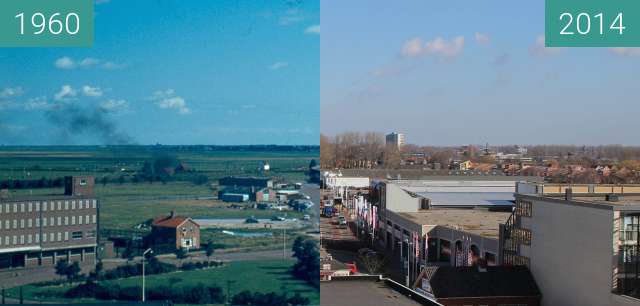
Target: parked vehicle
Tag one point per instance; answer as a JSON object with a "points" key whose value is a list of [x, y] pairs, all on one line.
{"points": [[306, 218], [252, 219]]}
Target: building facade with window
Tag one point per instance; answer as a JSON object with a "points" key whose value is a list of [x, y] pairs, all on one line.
{"points": [[580, 242], [41, 230], [175, 231]]}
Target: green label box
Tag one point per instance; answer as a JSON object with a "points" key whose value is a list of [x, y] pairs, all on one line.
{"points": [[592, 23], [46, 23]]}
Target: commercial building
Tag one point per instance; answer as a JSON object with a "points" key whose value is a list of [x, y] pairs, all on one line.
{"points": [[41, 230], [241, 189], [395, 140], [579, 241], [332, 180], [181, 232], [461, 220]]}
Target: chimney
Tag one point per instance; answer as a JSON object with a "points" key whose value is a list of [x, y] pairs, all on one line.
{"points": [[568, 194]]}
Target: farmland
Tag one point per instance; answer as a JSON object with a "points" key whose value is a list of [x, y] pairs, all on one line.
{"points": [[126, 202]]}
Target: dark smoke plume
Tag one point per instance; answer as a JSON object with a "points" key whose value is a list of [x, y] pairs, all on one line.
{"points": [[73, 120]]}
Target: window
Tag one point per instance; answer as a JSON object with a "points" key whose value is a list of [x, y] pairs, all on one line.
{"points": [[66, 205], [73, 220], [37, 222], [44, 206], [73, 204], [29, 223], [21, 223], [37, 206], [15, 208], [6, 240], [523, 208], [21, 207], [80, 220], [76, 235], [66, 220], [21, 239], [37, 238], [60, 205], [59, 221], [83, 182], [52, 221], [86, 219], [15, 240], [91, 234], [66, 236], [59, 236], [15, 224], [79, 204], [44, 222], [521, 236], [7, 224], [94, 203], [30, 239], [93, 219], [30, 208]]}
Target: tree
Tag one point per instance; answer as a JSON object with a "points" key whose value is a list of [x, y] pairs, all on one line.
{"points": [[373, 262], [61, 268], [181, 254], [210, 250]]}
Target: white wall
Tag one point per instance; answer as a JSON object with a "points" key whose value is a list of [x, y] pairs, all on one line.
{"points": [[571, 253]]}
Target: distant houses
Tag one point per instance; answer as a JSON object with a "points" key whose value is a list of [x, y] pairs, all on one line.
{"points": [[242, 189]]}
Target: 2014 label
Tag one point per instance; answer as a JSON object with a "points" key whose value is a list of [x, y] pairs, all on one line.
{"points": [[582, 24]]}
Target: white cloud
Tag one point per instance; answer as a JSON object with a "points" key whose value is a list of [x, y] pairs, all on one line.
{"points": [[538, 48], [482, 38], [91, 91], [169, 100], [412, 47], [88, 62], [37, 103], [438, 47], [65, 63], [10, 92], [66, 93], [278, 65], [114, 106], [291, 16], [623, 51], [314, 29]]}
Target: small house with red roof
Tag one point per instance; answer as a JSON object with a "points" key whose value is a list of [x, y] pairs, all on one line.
{"points": [[180, 231]]}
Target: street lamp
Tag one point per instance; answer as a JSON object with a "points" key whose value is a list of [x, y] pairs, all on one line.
{"points": [[148, 251]]}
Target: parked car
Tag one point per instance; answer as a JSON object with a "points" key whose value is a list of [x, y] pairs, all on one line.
{"points": [[252, 219], [278, 218], [306, 217]]}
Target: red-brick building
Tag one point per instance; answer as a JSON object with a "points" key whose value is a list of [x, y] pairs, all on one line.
{"points": [[180, 231]]}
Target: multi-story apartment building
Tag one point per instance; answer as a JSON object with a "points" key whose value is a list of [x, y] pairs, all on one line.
{"points": [[579, 241], [41, 230], [395, 140]]}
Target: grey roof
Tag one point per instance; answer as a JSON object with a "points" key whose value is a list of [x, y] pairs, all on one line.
{"points": [[471, 199]]}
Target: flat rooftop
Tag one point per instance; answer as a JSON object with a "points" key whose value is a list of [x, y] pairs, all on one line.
{"points": [[461, 193], [361, 292], [623, 202], [480, 222]]}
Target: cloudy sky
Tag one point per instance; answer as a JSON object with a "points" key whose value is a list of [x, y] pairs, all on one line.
{"points": [[171, 72], [460, 72]]}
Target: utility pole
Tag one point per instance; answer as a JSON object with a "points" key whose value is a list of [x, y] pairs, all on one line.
{"points": [[284, 243], [149, 250]]}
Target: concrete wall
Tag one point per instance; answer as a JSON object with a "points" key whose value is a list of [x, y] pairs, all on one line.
{"points": [[571, 252], [398, 200]]}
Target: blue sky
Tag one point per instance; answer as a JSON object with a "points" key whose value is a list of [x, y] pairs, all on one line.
{"points": [[171, 72], [460, 72]]}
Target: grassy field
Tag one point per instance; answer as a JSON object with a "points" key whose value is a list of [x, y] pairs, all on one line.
{"points": [[123, 206], [263, 276]]}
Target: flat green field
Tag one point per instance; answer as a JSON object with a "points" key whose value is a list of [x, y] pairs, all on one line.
{"points": [[125, 205], [263, 276]]}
